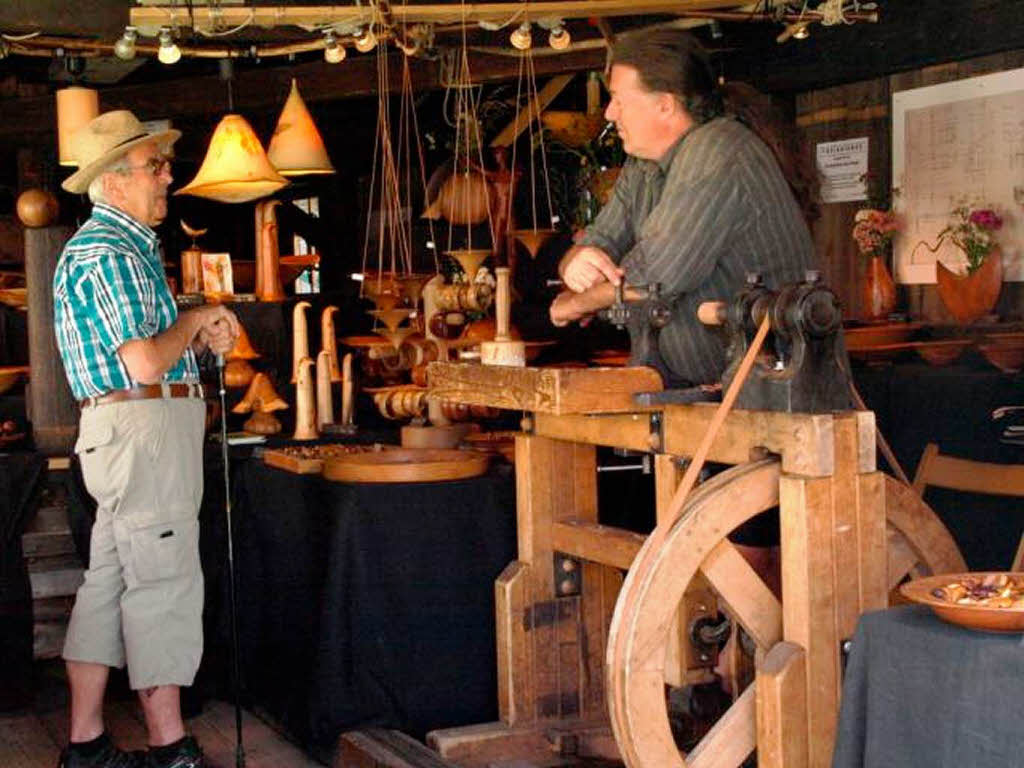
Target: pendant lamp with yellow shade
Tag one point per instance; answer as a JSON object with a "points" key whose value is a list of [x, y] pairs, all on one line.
{"points": [[296, 148], [236, 169]]}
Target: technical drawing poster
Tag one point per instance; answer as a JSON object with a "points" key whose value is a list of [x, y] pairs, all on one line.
{"points": [[958, 142]]}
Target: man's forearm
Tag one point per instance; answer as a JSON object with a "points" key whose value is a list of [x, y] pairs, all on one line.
{"points": [[149, 359]]}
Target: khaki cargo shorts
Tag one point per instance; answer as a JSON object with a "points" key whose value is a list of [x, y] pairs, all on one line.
{"points": [[142, 600]]}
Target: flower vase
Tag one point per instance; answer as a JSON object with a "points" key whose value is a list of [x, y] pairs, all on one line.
{"points": [[972, 296], [879, 297]]}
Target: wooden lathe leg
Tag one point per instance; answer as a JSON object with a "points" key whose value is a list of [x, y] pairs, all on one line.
{"points": [[551, 638]]}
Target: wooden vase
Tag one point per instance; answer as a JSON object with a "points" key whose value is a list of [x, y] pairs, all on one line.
{"points": [[879, 297], [971, 296]]}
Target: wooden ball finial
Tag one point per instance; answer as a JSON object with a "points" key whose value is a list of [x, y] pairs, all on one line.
{"points": [[37, 208]]}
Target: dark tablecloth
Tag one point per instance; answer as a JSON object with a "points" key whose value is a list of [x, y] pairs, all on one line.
{"points": [[916, 404], [370, 604], [21, 476], [921, 692]]}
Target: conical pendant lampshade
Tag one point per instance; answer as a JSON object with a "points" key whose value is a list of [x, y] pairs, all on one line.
{"points": [[296, 148], [236, 169]]}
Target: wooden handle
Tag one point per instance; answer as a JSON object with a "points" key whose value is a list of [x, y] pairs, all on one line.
{"points": [[712, 312], [501, 309]]}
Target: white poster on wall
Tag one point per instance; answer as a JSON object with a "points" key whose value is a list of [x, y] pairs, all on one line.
{"points": [[843, 166], [957, 143]]}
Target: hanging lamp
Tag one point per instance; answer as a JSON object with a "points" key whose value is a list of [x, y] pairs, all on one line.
{"points": [[235, 169], [296, 148], [76, 106]]}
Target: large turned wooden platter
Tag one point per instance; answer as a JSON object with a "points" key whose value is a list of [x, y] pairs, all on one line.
{"points": [[934, 591], [405, 465]]}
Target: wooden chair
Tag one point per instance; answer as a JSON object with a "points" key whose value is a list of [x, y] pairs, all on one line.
{"points": [[943, 471]]}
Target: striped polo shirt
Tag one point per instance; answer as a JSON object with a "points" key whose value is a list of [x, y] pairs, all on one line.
{"points": [[109, 288], [714, 208]]}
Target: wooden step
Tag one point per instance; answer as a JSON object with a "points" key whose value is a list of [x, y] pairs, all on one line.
{"points": [[382, 748]]}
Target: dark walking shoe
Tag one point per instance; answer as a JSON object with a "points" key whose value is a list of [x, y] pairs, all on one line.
{"points": [[184, 753], [107, 756]]}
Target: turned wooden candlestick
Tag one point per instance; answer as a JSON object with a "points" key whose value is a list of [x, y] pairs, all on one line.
{"points": [[324, 401], [328, 341], [300, 337], [305, 407], [347, 390], [503, 350]]}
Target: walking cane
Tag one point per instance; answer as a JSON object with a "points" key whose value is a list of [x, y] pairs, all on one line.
{"points": [[239, 750]]}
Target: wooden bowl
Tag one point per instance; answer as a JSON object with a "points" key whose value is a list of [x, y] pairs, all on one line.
{"points": [[1007, 356], [1003, 620], [405, 465], [942, 352], [9, 376], [884, 334]]}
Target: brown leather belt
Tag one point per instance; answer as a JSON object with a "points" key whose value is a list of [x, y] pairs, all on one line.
{"points": [[145, 392]]}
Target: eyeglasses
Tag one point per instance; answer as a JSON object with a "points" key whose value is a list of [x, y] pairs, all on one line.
{"points": [[156, 165]]}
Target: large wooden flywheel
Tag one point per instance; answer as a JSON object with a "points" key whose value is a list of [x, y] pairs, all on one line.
{"points": [[915, 542]]}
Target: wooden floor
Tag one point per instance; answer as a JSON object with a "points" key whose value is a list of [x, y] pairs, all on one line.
{"points": [[33, 738]]}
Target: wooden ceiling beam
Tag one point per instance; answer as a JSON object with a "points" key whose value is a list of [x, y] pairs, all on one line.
{"points": [[206, 19], [265, 89]]}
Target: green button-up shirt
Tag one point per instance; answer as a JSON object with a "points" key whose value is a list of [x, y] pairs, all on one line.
{"points": [[109, 288]]}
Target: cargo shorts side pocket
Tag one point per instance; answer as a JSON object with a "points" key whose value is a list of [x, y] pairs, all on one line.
{"points": [[165, 550], [93, 435]]}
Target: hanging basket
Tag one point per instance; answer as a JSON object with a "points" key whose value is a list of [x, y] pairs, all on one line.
{"points": [[972, 296]]}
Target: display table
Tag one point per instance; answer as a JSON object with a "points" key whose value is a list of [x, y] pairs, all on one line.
{"points": [[916, 404], [366, 604], [921, 692]]}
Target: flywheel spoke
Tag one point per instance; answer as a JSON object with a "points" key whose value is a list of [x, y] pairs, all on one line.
{"points": [[749, 600]]}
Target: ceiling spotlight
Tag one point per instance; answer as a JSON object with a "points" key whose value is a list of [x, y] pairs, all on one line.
{"points": [[559, 39], [125, 47], [169, 52], [366, 41], [521, 38], [333, 50], [802, 32]]}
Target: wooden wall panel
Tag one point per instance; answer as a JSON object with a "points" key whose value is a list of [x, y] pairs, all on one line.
{"points": [[862, 109]]}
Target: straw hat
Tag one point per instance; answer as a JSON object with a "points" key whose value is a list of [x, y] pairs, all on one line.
{"points": [[105, 139]]}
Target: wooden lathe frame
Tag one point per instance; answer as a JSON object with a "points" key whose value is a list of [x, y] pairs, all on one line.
{"points": [[849, 534]]}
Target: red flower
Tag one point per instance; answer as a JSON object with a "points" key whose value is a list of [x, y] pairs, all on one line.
{"points": [[986, 218]]}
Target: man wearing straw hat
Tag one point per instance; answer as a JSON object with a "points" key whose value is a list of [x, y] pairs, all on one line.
{"points": [[130, 359]]}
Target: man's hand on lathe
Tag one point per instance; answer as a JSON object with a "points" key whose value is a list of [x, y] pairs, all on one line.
{"points": [[585, 266]]}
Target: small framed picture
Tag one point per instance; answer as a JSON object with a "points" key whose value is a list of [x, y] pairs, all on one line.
{"points": [[217, 274]]}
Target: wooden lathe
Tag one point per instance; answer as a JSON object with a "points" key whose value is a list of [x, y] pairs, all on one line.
{"points": [[593, 622]]}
